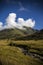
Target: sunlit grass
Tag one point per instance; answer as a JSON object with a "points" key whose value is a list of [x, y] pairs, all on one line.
{"points": [[11, 55]]}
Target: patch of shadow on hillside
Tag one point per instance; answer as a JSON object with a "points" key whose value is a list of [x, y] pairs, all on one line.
{"points": [[1, 62], [19, 45]]}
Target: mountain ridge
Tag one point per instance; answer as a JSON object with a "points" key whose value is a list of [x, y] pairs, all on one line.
{"points": [[16, 34]]}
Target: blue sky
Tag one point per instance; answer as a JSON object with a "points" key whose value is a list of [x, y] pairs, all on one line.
{"points": [[23, 8]]}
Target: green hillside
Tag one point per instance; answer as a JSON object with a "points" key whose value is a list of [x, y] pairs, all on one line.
{"points": [[21, 47], [15, 33], [35, 36]]}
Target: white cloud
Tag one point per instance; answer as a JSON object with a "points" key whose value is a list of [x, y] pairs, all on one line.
{"points": [[1, 25], [11, 22], [30, 23], [27, 23]]}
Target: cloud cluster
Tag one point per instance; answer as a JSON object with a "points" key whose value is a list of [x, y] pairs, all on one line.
{"points": [[20, 23]]}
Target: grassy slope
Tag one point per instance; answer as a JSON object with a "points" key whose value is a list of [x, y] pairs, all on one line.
{"points": [[10, 33], [11, 55], [15, 33]]}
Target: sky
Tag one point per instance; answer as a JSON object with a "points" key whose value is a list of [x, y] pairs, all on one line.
{"points": [[19, 13]]}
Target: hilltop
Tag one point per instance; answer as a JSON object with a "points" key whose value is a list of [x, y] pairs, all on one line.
{"points": [[16, 33]]}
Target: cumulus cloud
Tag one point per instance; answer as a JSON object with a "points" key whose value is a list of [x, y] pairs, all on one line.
{"points": [[11, 22], [27, 23]]}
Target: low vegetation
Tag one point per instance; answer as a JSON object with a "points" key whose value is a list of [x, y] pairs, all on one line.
{"points": [[21, 52]]}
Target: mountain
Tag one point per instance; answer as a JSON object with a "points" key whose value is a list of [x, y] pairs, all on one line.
{"points": [[35, 36], [16, 33], [21, 34]]}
